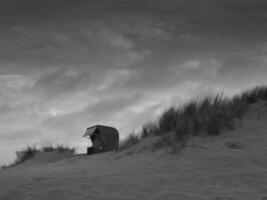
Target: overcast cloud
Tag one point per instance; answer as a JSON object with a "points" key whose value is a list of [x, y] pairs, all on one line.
{"points": [[66, 65]]}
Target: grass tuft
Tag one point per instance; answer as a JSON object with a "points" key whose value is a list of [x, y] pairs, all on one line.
{"points": [[26, 154], [130, 141], [64, 149], [29, 152], [210, 116], [59, 149]]}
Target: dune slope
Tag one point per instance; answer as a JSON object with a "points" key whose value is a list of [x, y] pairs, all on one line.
{"points": [[232, 165]]}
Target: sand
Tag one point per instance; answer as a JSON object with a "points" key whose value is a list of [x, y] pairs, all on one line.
{"points": [[232, 166]]}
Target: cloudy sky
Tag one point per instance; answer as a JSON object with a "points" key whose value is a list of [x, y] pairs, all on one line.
{"points": [[66, 65]]}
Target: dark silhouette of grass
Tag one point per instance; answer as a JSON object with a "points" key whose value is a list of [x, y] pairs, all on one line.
{"points": [[29, 152], [131, 140], [210, 116], [48, 148], [64, 149], [25, 154], [59, 149]]}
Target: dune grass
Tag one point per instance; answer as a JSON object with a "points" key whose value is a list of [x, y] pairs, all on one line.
{"points": [[23, 155], [210, 116], [59, 149], [131, 140], [30, 151], [26, 154]]}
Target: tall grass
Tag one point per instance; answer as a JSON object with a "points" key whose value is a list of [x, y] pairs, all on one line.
{"points": [[130, 141], [25, 154], [29, 152], [59, 149], [210, 116], [64, 149]]}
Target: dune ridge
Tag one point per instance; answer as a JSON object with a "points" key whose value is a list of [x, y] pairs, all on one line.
{"points": [[229, 166]]}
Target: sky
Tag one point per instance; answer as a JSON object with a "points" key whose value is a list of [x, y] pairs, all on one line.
{"points": [[66, 65]]}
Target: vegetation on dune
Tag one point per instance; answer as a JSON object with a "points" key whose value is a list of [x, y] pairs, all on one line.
{"points": [[210, 116], [59, 149], [26, 154], [131, 140], [29, 152]]}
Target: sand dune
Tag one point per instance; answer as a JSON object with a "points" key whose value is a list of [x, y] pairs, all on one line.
{"points": [[229, 166]]}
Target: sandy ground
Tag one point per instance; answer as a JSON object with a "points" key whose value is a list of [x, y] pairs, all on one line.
{"points": [[232, 166]]}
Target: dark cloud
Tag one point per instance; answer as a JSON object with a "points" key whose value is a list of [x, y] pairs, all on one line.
{"points": [[246, 7]]}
